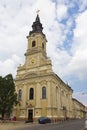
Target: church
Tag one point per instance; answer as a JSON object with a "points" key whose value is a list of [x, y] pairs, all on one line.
{"points": [[41, 92]]}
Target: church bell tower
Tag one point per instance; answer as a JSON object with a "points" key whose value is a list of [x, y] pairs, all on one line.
{"points": [[36, 52], [36, 59]]}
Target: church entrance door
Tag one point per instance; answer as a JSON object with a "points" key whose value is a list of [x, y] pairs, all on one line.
{"points": [[30, 115]]}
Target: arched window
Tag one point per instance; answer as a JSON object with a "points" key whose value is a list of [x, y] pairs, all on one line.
{"points": [[31, 94], [20, 94], [44, 93], [43, 45], [33, 44]]}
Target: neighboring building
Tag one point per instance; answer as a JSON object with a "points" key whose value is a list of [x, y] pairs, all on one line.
{"points": [[78, 109], [40, 91], [86, 109], [86, 112]]}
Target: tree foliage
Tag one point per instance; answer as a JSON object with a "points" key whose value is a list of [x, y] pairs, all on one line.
{"points": [[8, 96]]}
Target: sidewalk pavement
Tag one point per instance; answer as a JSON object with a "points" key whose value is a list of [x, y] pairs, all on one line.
{"points": [[11, 125]]}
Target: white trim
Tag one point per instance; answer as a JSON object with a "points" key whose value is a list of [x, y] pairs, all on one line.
{"points": [[22, 116], [37, 116], [49, 116]]}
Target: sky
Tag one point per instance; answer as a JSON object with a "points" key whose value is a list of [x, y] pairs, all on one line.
{"points": [[65, 27]]}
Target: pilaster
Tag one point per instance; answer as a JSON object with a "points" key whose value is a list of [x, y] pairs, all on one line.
{"points": [[38, 95], [48, 94]]}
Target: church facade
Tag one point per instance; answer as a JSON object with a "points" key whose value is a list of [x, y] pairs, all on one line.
{"points": [[40, 91]]}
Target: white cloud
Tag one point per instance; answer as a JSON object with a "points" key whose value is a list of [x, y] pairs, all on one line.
{"points": [[62, 12], [60, 61], [81, 30], [9, 65], [82, 4], [78, 63], [74, 63]]}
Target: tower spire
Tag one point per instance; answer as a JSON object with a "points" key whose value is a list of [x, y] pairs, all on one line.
{"points": [[37, 26]]}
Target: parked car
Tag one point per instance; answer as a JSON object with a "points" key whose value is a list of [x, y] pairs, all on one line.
{"points": [[43, 120]]}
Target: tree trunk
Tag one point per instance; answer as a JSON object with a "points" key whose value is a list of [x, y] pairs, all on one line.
{"points": [[3, 115]]}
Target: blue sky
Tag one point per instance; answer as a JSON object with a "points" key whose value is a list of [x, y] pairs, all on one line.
{"points": [[65, 26]]}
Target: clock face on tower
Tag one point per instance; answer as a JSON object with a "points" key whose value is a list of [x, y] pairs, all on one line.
{"points": [[32, 61]]}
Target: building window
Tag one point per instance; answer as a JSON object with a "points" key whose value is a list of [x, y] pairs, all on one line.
{"points": [[31, 94], [43, 45], [33, 44], [44, 93], [20, 95]]}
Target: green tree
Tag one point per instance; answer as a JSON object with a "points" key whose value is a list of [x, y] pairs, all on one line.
{"points": [[8, 96]]}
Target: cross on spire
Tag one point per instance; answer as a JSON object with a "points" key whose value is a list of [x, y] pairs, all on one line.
{"points": [[37, 12]]}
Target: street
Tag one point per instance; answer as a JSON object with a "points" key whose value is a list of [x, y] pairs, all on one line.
{"points": [[65, 125]]}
